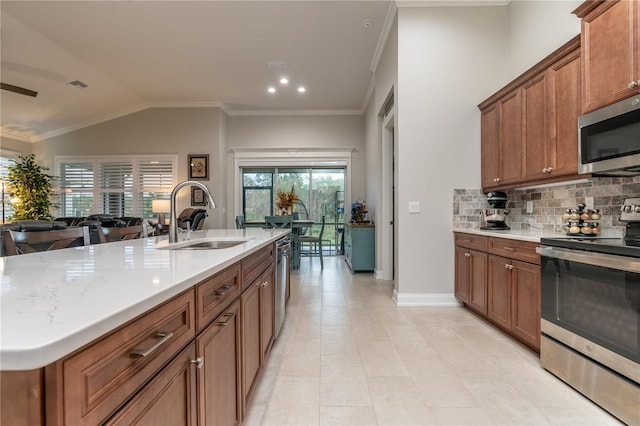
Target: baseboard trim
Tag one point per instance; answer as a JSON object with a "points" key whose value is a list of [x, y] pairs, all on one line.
{"points": [[424, 299]]}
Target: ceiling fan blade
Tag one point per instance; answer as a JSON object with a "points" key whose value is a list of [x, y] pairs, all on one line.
{"points": [[19, 90]]}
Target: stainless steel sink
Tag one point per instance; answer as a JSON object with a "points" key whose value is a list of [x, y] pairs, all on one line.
{"points": [[209, 245], [204, 243]]}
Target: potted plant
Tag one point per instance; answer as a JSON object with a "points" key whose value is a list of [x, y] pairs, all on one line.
{"points": [[285, 201], [30, 188]]}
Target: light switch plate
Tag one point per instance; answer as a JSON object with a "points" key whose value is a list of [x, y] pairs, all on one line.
{"points": [[414, 206]]}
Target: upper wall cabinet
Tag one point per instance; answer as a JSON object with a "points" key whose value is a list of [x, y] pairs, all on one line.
{"points": [[529, 127], [610, 51]]}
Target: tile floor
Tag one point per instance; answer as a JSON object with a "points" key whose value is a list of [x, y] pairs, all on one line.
{"points": [[347, 355]]}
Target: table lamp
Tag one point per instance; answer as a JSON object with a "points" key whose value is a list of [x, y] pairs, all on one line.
{"points": [[161, 207]]}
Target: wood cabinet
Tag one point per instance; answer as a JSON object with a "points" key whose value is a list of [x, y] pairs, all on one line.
{"points": [[257, 308], [529, 127], [610, 51], [219, 372], [501, 148], [88, 386], [360, 247], [181, 363], [471, 278], [499, 278], [169, 399]]}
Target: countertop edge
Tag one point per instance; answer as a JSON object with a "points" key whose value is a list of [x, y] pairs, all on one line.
{"points": [[52, 350], [532, 236]]}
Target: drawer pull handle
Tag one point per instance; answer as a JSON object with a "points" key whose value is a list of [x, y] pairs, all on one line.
{"points": [[264, 284], [228, 317], [509, 248], [222, 291], [467, 255], [141, 353], [199, 362]]}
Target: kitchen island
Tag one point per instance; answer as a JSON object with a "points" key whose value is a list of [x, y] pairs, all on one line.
{"points": [[86, 331]]}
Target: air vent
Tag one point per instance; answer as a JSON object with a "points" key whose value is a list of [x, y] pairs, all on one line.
{"points": [[275, 65], [77, 84]]}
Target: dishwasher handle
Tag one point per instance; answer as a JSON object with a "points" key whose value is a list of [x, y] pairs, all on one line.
{"points": [[622, 263]]}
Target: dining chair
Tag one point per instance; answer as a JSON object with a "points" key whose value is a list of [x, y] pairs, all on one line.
{"points": [[272, 222], [7, 246], [315, 244], [240, 221], [35, 241], [108, 235]]}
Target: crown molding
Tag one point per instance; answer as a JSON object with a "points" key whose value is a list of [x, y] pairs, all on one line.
{"points": [[450, 3], [384, 35], [19, 136], [292, 112]]}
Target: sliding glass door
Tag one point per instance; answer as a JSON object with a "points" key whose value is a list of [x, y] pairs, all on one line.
{"points": [[321, 191]]}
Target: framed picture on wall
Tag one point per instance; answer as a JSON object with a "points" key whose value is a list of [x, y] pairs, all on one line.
{"points": [[197, 197], [199, 166]]}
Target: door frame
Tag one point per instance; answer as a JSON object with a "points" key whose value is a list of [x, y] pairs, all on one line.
{"points": [[387, 228]]}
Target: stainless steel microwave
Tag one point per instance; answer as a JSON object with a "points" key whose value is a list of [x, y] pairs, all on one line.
{"points": [[609, 139]]}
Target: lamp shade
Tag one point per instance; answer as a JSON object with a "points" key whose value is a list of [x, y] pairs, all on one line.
{"points": [[160, 206]]}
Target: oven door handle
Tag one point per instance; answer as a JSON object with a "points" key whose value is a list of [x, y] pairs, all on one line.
{"points": [[628, 264]]}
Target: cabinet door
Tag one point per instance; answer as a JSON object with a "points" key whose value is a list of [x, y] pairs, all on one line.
{"points": [[169, 399], [526, 303], [510, 138], [219, 374], [267, 312], [499, 286], [251, 351], [462, 274], [535, 151], [610, 53], [564, 110], [490, 145], [478, 281]]}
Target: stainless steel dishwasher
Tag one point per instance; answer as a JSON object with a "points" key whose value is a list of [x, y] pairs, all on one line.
{"points": [[283, 254]]}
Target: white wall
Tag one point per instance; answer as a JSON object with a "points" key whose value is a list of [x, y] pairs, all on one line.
{"points": [[447, 57], [300, 131], [449, 60], [537, 28], [14, 145], [180, 131]]}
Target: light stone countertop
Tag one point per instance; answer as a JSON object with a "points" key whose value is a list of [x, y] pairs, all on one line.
{"points": [[53, 303], [529, 235]]}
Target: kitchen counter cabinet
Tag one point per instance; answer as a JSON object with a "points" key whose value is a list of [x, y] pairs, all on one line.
{"points": [[610, 52], [170, 398], [178, 363], [220, 385], [257, 307], [499, 278], [359, 247]]}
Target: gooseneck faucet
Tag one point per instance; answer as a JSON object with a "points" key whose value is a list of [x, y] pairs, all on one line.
{"points": [[173, 221]]}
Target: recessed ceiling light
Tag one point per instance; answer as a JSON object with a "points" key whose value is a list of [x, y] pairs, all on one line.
{"points": [[271, 90], [301, 89], [284, 80]]}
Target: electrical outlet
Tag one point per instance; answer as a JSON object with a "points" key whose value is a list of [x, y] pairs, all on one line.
{"points": [[588, 202], [414, 206], [529, 207]]}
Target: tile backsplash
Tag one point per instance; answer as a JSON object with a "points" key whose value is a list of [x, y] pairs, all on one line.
{"points": [[549, 203]]}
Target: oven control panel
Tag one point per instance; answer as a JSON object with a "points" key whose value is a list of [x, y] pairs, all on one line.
{"points": [[630, 210]]}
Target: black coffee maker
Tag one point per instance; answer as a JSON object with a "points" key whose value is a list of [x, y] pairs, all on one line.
{"points": [[494, 218]]}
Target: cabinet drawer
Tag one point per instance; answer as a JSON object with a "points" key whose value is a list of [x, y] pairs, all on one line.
{"points": [[255, 264], [215, 294], [477, 242], [98, 379], [515, 249]]}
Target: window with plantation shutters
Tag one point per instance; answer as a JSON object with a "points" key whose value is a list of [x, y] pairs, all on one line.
{"points": [[76, 197], [120, 186]]}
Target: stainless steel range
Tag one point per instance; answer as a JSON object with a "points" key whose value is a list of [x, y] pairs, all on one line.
{"points": [[590, 292]]}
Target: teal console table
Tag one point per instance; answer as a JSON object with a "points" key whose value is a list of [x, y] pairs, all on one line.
{"points": [[360, 247]]}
